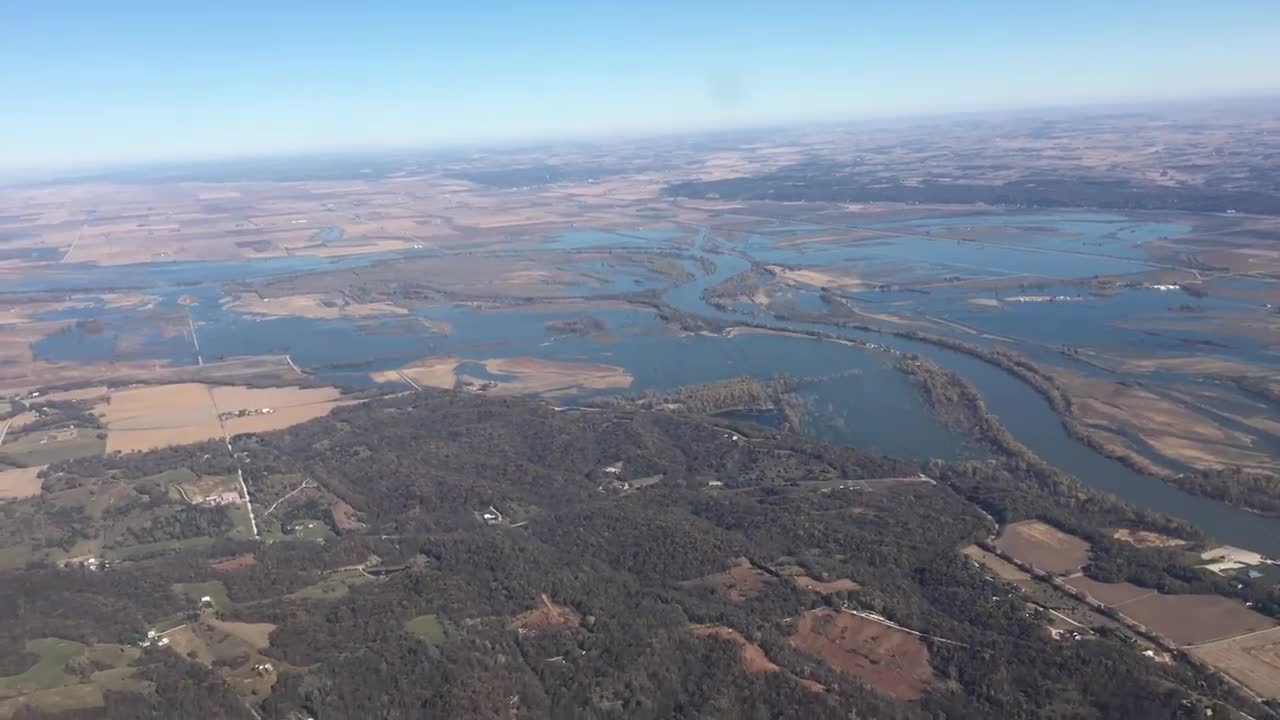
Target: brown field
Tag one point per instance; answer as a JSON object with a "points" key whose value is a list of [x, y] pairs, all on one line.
{"points": [[547, 617], [1171, 428], [826, 588], [533, 376], [999, 566], [1193, 619], [344, 516], [893, 662], [88, 393], [1253, 660], [1043, 547], [1183, 619], [1108, 593], [436, 372], [315, 306], [1145, 538], [740, 582], [152, 416], [19, 483], [821, 278], [236, 562]]}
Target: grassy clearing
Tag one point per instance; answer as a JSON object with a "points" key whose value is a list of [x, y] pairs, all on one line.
{"points": [[14, 556], [146, 550], [213, 588], [430, 629], [256, 635], [310, 529], [44, 448], [56, 700], [332, 587], [48, 672]]}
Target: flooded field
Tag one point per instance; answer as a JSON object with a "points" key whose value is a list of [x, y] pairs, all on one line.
{"points": [[587, 312]]}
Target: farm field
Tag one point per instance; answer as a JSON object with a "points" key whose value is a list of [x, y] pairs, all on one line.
{"points": [[1044, 547], [1183, 619], [20, 482], [1112, 594], [152, 416], [1253, 660], [1193, 619], [51, 446]]}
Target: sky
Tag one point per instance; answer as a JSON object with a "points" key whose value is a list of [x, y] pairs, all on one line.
{"points": [[87, 83]]}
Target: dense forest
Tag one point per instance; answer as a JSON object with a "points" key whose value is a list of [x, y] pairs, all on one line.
{"points": [[589, 605]]}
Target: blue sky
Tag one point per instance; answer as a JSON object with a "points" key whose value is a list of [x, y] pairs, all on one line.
{"points": [[94, 82]]}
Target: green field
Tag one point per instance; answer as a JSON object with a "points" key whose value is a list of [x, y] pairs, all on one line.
{"points": [[48, 671], [40, 448], [336, 585], [310, 529], [146, 550], [430, 629], [213, 588]]}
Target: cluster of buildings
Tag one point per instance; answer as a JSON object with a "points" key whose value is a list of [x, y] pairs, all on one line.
{"points": [[245, 412]]}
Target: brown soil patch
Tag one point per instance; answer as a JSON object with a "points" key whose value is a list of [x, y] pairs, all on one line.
{"points": [[236, 562], [345, 517], [740, 582], [893, 662], [1192, 619], [1108, 593], [753, 656], [548, 617], [20, 483], [1044, 547], [1145, 538], [1253, 660], [1183, 619], [826, 588]]}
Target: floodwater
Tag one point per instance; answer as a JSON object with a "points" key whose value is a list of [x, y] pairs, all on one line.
{"points": [[869, 404]]}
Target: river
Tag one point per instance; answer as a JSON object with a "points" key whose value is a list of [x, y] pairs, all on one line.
{"points": [[1030, 419]]}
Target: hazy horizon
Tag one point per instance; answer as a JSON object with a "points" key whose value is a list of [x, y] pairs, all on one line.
{"points": [[96, 87]]}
